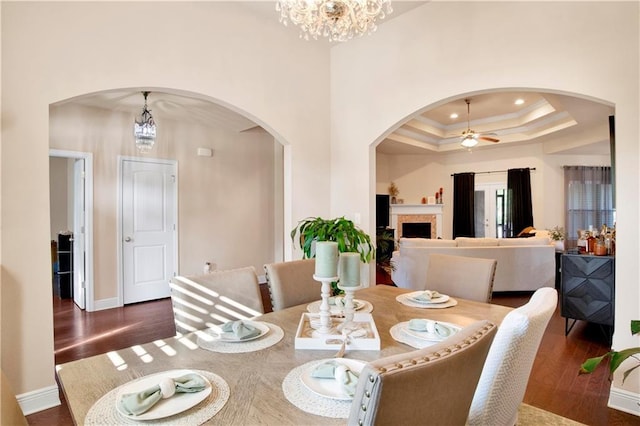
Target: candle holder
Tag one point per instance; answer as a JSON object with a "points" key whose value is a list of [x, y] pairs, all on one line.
{"points": [[349, 307], [325, 311]]}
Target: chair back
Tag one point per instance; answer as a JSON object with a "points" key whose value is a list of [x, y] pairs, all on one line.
{"points": [[434, 385], [215, 298], [291, 283], [506, 372], [459, 276]]}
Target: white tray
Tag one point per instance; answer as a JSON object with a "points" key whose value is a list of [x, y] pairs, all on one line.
{"points": [[333, 341]]}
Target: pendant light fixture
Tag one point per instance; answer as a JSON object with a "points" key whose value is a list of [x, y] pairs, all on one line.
{"points": [[144, 128]]}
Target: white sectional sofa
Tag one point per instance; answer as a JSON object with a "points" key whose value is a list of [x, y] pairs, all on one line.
{"points": [[524, 264]]}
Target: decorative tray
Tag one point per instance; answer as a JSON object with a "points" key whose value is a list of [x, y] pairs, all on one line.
{"points": [[365, 338]]}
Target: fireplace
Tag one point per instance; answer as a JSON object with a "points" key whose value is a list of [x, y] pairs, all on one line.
{"points": [[416, 229], [431, 214]]}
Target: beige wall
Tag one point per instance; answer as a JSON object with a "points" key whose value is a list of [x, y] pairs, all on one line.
{"points": [[444, 49], [418, 176], [218, 198], [56, 51], [59, 185]]}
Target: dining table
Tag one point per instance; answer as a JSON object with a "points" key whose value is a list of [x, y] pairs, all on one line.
{"points": [[255, 378]]}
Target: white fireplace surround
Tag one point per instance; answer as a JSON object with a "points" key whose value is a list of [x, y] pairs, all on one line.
{"points": [[411, 213]]}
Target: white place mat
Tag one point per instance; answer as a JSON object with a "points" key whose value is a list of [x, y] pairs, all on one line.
{"points": [[104, 411], [314, 308], [274, 335], [405, 300], [298, 394]]}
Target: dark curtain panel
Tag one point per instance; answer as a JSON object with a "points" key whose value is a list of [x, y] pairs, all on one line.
{"points": [[463, 208], [519, 210]]}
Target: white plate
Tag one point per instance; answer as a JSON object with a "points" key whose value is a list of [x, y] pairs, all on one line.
{"points": [[441, 299], [165, 407], [432, 337], [330, 388], [231, 338]]}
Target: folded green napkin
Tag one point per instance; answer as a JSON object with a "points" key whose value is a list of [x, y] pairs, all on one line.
{"points": [[140, 402], [240, 329], [429, 326], [427, 295], [341, 373]]}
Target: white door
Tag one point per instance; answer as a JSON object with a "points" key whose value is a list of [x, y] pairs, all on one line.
{"points": [[79, 234], [149, 198], [486, 213]]}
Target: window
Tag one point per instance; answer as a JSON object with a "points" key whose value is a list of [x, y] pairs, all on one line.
{"points": [[589, 199]]}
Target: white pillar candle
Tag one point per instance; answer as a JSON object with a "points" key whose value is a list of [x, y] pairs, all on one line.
{"points": [[326, 259], [349, 269]]}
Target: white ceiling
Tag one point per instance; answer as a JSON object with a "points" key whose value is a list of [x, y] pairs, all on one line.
{"points": [[564, 124]]}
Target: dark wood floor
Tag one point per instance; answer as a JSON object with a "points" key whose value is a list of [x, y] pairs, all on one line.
{"points": [[554, 384]]}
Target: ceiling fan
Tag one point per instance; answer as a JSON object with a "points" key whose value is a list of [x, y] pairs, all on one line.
{"points": [[470, 137]]}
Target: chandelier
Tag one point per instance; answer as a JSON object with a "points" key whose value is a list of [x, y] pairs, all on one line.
{"points": [[339, 20], [144, 128], [469, 141]]}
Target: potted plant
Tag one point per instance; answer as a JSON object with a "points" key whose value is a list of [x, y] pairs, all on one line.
{"points": [[393, 192], [616, 358], [349, 237], [557, 236]]}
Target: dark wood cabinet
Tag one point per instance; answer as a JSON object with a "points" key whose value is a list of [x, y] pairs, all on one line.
{"points": [[588, 289], [63, 285]]}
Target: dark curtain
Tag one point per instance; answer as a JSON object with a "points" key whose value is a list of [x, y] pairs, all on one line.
{"points": [[463, 207], [519, 210]]}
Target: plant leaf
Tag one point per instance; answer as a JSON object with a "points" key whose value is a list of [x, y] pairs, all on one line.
{"points": [[618, 358], [626, 373], [590, 365], [635, 326]]}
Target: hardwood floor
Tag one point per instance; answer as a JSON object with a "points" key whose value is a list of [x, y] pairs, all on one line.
{"points": [[554, 384]]}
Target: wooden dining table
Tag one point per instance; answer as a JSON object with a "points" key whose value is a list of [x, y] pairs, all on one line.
{"points": [[254, 378]]}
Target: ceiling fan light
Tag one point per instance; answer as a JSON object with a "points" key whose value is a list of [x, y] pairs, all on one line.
{"points": [[469, 142]]}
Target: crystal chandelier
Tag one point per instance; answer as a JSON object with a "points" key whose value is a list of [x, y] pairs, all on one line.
{"points": [[339, 20], [144, 128]]}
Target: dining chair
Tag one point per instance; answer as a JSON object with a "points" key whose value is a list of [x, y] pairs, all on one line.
{"points": [[291, 283], [466, 277], [506, 371], [433, 385], [203, 300]]}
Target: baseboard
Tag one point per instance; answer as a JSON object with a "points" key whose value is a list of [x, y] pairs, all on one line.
{"points": [[100, 305], [38, 400], [623, 400]]}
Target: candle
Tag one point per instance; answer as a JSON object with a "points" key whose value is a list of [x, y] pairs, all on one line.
{"points": [[349, 269], [326, 259]]}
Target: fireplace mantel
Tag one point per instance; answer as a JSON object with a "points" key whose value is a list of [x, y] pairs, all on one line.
{"points": [[404, 210]]}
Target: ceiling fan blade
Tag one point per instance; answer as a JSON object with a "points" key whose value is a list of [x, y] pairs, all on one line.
{"points": [[486, 138]]}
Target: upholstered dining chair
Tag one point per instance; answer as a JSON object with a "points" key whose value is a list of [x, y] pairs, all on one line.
{"points": [[506, 371], [466, 277], [211, 299], [434, 385], [291, 283]]}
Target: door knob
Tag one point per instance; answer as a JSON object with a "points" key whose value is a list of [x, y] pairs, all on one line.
{"points": [[127, 239]]}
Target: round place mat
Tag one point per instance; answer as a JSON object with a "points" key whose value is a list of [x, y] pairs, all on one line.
{"points": [[404, 299], [274, 335], [104, 411], [298, 394]]}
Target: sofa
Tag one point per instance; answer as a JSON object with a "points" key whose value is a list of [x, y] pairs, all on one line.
{"points": [[524, 264]]}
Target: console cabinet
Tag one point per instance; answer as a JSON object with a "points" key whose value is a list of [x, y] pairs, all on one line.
{"points": [[588, 289]]}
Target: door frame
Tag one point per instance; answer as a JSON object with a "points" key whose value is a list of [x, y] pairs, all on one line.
{"points": [[490, 188], [88, 218], [119, 235]]}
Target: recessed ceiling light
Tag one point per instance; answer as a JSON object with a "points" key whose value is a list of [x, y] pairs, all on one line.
{"points": [[453, 116], [519, 101]]}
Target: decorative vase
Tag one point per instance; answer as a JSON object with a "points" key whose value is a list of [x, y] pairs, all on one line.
{"points": [[559, 245]]}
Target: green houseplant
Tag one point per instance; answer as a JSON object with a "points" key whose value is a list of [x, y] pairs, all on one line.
{"points": [[616, 358], [349, 237]]}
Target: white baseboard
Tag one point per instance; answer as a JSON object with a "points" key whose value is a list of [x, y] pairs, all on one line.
{"points": [[623, 400], [100, 305], [38, 400]]}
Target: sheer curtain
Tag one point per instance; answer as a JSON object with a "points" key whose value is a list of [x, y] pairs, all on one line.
{"points": [[463, 205], [589, 199], [519, 209]]}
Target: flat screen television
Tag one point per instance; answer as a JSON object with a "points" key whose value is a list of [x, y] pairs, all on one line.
{"points": [[382, 210]]}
